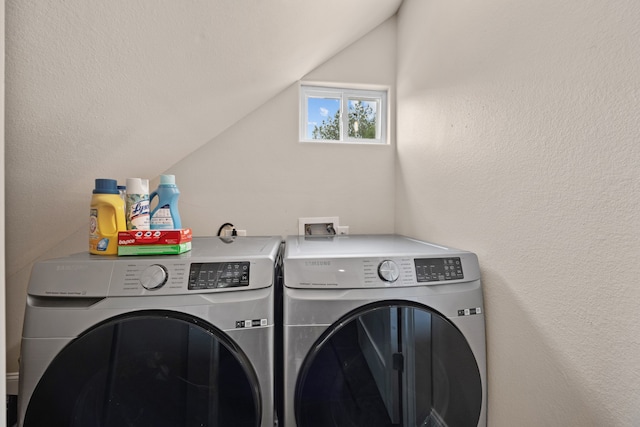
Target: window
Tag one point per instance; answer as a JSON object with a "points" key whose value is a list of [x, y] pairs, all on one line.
{"points": [[330, 114]]}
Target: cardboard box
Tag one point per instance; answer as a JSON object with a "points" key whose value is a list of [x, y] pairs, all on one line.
{"points": [[154, 249], [154, 237]]}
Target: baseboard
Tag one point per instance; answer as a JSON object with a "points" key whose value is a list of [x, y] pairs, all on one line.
{"points": [[12, 383]]}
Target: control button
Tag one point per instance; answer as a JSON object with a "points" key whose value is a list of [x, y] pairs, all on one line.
{"points": [[154, 277], [388, 271]]}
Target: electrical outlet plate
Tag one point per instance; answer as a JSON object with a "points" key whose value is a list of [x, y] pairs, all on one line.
{"points": [[342, 229], [318, 226], [229, 232]]}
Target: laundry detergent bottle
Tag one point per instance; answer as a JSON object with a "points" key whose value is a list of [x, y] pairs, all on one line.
{"points": [[106, 218], [165, 215]]}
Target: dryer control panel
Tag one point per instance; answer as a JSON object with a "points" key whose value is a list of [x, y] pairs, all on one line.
{"points": [[374, 261], [436, 269], [426, 269], [380, 272]]}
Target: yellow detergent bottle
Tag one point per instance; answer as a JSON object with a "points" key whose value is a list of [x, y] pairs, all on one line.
{"points": [[106, 218]]}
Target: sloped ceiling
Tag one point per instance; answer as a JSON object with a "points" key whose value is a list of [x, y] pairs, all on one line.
{"points": [[127, 88]]}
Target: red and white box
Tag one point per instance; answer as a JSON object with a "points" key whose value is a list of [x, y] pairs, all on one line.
{"points": [[154, 237]]}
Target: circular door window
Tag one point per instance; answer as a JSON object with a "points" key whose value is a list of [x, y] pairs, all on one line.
{"points": [[151, 369], [390, 364]]}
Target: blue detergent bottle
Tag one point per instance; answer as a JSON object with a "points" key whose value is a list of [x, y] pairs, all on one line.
{"points": [[165, 215]]}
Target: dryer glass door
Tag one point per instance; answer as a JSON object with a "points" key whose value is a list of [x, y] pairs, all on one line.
{"points": [[156, 369], [390, 365]]}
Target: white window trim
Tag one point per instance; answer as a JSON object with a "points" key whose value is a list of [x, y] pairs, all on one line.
{"points": [[344, 92]]}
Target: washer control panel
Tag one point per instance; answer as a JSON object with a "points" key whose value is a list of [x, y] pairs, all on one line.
{"points": [[388, 271], [154, 277], [212, 275], [438, 269], [188, 277], [213, 267]]}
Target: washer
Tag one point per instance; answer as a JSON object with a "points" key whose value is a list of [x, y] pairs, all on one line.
{"points": [[382, 330], [180, 340]]}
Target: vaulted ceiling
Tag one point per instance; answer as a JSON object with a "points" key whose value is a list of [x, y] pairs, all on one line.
{"points": [[127, 88]]}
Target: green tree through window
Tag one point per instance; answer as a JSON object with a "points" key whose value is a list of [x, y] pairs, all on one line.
{"points": [[362, 120], [329, 129], [362, 123]]}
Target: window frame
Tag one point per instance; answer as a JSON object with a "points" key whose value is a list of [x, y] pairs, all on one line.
{"points": [[345, 93]]}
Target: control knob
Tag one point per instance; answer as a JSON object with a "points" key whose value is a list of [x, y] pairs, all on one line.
{"points": [[154, 277], [388, 271]]}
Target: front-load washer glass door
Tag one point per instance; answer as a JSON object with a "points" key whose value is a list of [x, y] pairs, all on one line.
{"points": [[155, 369], [389, 364]]}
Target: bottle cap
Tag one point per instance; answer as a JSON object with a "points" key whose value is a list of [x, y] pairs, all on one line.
{"points": [[106, 186], [167, 179], [136, 186]]}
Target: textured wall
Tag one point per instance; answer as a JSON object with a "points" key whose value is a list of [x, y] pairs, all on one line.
{"points": [[257, 175], [519, 138], [2, 216], [120, 89]]}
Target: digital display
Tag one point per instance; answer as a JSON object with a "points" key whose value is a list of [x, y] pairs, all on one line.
{"points": [[214, 275], [437, 269]]}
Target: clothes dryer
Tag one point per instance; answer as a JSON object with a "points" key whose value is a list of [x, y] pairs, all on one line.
{"points": [[181, 340], [382, 330]]}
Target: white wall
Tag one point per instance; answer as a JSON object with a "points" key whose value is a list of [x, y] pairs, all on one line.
{"points": [[257, 175], [519, 138], [119, 89], [3, 417]]}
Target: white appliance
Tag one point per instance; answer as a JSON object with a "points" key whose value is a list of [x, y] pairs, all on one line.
{"points": [[382, 330], [180, 340]]}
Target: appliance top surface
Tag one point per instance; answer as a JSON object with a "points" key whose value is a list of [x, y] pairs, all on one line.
{"points": [[359, 246], [203, 249]]}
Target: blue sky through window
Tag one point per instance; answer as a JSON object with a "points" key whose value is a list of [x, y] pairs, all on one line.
{"points": [[319, 109]]}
